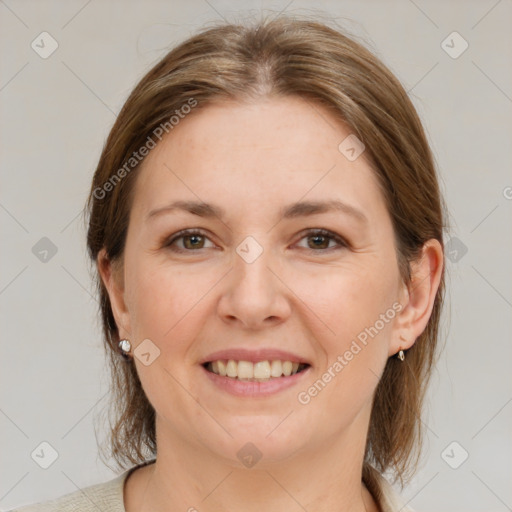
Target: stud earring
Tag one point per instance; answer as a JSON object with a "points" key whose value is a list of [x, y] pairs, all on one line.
{"points": [[125, 346]]}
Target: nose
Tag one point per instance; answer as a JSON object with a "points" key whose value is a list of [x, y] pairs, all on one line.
{"points": [[255, 296]]}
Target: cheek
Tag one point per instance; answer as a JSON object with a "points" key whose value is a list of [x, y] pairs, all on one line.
{"points": [[358, 308], [357, 313], [165, 299], [347, 299]]}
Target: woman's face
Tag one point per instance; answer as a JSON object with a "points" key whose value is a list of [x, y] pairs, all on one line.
{"points": [[256, 282]]}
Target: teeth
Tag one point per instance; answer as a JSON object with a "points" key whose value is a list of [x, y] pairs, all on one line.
{"points": [[231, 368], [222, 368], [287, 368], [245, 370], [276, 368], [259, 371]]}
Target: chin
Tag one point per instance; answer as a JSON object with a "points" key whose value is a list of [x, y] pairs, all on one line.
{"points": [[257, 442]]}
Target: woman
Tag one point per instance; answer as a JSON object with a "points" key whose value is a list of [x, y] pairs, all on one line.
{"points": [[267, 227]]}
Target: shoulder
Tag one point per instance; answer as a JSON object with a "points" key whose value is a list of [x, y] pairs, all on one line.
{"points": [[384, 494], [107, 497], [390, 500]]}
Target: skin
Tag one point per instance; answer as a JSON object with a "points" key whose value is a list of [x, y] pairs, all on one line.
{"points": [[252, 159]]}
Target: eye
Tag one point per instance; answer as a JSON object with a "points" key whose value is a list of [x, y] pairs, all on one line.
{"points": [[319, 240], [192, 239]]}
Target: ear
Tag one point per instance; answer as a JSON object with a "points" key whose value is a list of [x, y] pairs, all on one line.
{"points": [[112, 275], [417, 298]]}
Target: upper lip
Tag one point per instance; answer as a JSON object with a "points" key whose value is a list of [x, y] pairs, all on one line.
{"points": [[254, 356]]}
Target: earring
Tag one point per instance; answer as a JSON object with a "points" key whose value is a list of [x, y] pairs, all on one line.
{"points": [[401, 355], [125, 346]]}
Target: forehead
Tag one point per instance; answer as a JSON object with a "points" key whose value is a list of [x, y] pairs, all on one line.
{"points": [[262, 153]]}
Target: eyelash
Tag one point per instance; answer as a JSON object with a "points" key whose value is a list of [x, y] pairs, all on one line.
{"points": [[308, 233]]}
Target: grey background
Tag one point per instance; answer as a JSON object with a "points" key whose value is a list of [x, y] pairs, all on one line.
{"points": [[55, 115]]}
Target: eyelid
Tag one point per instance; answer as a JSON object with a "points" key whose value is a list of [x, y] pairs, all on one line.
{"points": [[168, 241], [342, 243]]}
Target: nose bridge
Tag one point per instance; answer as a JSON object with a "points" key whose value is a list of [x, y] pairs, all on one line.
{"points": [[251, 262], [254, 292]]}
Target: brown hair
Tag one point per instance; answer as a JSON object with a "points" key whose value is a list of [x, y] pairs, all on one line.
{"points": [[282, 57]]}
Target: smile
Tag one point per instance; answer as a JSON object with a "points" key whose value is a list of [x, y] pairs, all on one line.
{"points": [[260, 371]]}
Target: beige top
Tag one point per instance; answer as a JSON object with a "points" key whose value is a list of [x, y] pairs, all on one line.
{"points": [[108, 497]]}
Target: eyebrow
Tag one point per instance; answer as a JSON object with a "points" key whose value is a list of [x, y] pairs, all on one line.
{"points": [[294, 210]]}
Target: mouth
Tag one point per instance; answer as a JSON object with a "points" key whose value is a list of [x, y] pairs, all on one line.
{"points": [[259, 371]]}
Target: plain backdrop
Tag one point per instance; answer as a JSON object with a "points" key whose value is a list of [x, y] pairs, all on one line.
{"points": [[56, 111]]}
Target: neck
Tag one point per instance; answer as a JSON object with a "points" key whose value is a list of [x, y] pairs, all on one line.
{"points": [[190, 477]]}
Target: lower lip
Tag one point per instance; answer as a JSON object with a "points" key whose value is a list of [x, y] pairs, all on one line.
{"points": [[255, 389]]}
